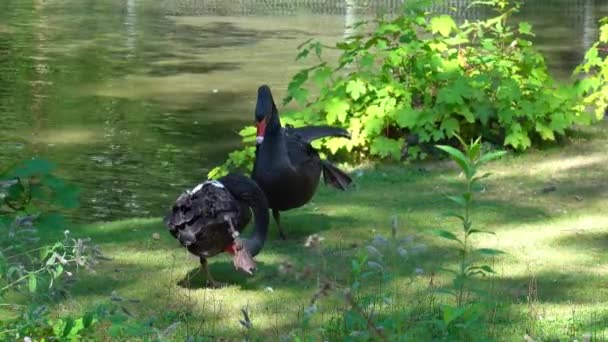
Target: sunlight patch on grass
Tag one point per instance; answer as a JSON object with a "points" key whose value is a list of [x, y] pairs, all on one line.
{"points": [[555, 244]]}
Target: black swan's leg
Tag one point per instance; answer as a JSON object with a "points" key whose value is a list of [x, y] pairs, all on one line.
{"points": [[210, 281], [277, 218]]}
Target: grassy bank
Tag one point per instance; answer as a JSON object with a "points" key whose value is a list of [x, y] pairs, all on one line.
{"points": [[548, 209]]}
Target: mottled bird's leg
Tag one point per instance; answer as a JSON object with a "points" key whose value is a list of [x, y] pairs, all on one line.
{"points": [[242, 258], [210, 281], [277, 218]]}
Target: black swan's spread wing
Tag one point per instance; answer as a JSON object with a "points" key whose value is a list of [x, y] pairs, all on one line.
{"points": [[312, 133]]}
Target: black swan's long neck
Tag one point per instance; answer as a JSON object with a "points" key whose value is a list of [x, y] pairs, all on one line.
{"points": [[274, 148], [261, 220], [247, 191]]}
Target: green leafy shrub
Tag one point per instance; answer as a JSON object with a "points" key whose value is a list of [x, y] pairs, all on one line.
{"points": [[421, 77], [425, 76], [31, 200], [594, 86]]}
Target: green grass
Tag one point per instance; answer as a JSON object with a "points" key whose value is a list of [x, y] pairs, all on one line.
{"points": [[553, 283]]}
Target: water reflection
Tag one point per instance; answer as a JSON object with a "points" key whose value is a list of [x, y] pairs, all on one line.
{"points": [[136, 100]]}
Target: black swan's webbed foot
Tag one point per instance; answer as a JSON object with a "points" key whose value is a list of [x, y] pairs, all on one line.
{"points": [[277, 218], [209, 279]]}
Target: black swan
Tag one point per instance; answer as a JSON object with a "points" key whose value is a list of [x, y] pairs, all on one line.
{"points": [[208, 219], [286, 166]]}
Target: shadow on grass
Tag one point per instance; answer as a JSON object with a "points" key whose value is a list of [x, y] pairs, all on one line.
{"points": [[224, 273], [585, 240]]}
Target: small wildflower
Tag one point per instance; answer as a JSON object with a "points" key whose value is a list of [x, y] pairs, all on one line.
{"points": [[269, 289], [115, 297], [310, 310], [373, 252], [419, 248], [402, 252], [375, 265], [314, 241], [380, 241], [419, 270], [156, 236]]}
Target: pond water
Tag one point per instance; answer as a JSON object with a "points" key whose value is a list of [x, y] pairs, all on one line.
{"points": [[135, 100]]}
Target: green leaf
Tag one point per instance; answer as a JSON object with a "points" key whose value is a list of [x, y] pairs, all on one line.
{"points": [[32, 167], [489, 251], [407, 117], [477, 231], [525, 28], [485, 175], [458, 200], [302, 54], [458, 157], [485, 112], [87, 319], [32, 282], [450, 126], [385, 28], [334, 144], [604, 33], [451, 313], [453, 214], [545, 132], [300, 95], [321, 75], [442, 24], [297, 81], [336, 109], [367, 60], [69, 324], [474, 150], [355, 88], [318, 48], [385, 147], [16, 191], [485, 269], [373, 126], [445, 234]]}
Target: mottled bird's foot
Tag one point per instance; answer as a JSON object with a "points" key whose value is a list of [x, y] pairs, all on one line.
{"points": [[212, 284], [243, 259]]}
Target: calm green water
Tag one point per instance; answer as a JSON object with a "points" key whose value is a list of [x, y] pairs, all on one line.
{"points": [[137, 99]]}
